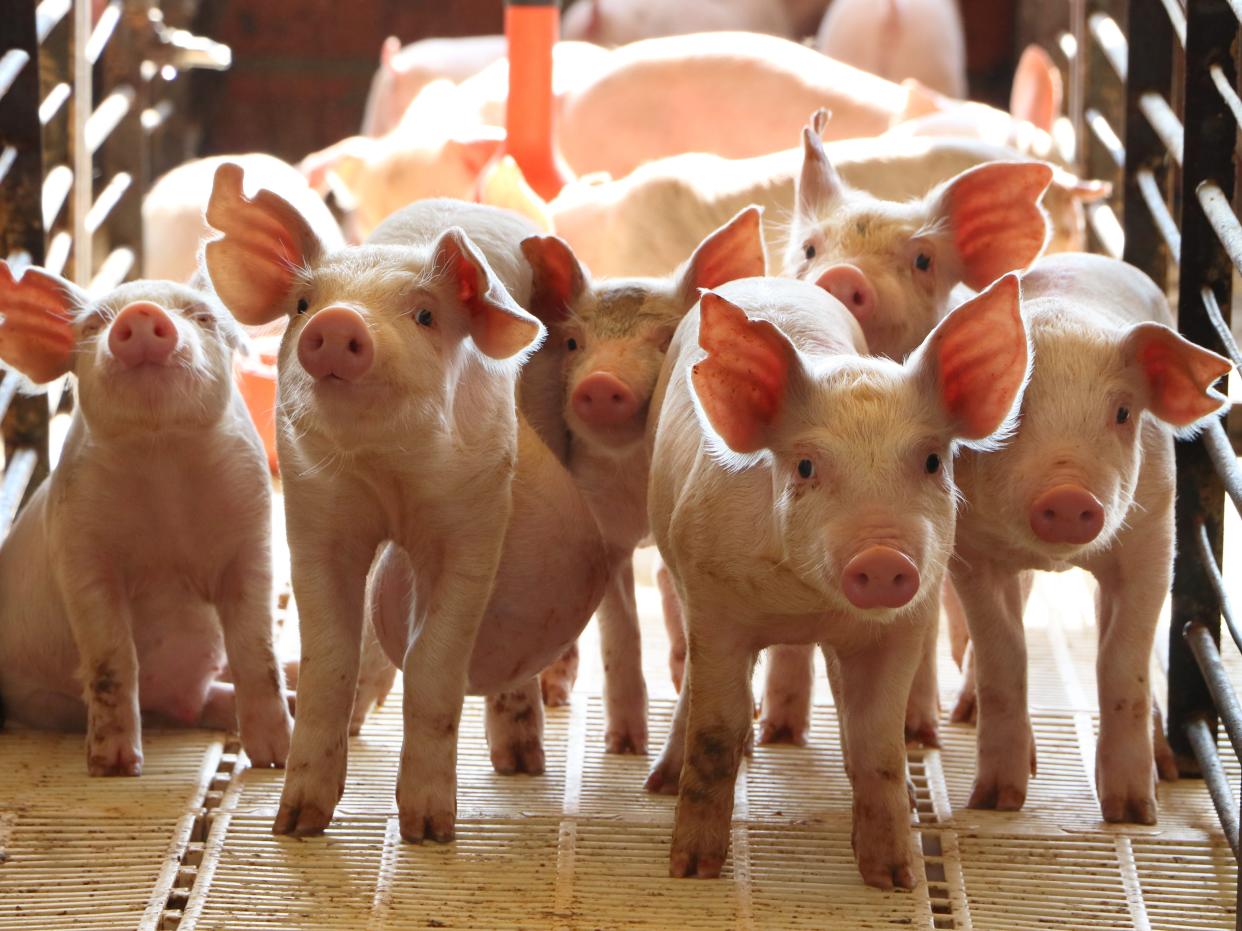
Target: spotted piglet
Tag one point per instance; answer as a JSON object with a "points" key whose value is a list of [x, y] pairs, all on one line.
{"points": [[803, 492], [1087, 481], [398, 432], [144, 560], [612, 335]]}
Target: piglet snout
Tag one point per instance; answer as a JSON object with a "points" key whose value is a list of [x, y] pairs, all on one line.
{"points": [[604, 400], [1067, 514], [336, 342], [880, 577], [850, 286], [142, 333]]}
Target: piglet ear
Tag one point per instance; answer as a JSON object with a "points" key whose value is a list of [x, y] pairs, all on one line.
{"points": [[265, 240], [498, 326], [733, 251], [978, 360], [743, 384], [995, 218], [819, 184], [1036, 94], [36, 322], [558, 277], [1178, 374]]}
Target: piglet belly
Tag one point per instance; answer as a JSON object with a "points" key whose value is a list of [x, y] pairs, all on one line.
{"points": [[180, 654]]}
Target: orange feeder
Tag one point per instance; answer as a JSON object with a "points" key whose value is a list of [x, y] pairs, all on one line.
{"points": [[532, 28], [256, 377]]}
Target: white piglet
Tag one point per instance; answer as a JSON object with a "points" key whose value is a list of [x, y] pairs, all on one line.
{"points": [[802, 492], [397, 424], [145, 558]]}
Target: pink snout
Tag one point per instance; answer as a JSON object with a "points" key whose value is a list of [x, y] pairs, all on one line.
{"points": [[1067, 514], [142, 333], [336, 343], [850, 286], [604, 400], [880, 577]]}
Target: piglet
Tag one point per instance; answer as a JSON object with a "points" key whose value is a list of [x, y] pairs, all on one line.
{"points": [[145, 558], [617, 22], [611, 335], [802, 492], [398, 431], [1087, 481]]}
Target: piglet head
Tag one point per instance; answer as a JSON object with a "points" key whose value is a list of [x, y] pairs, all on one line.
{"points": [[860, 449], [612, 335], [148, 355], [893, 264], [376, 332]]}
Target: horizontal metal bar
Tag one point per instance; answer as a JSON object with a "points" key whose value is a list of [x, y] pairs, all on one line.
{"points": [[1199, 638], [1208, 559], [1237, 9], [1154, 198], [1212, 308], [48, 14], [7, 157], [21, 466], [1177, 18], [58, 253], [1227, 93], [56, 187], [1165, 122], [108, 199], [1100, 128], [107, 115], [1109, 232], [1200, 737], [11, 64], [52, 103], [1112, 42], [103, 31], [1216, 441], [1220, 214]]}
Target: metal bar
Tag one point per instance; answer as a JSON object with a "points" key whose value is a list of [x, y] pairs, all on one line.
{"points": [[1203, 745], [1227, 93], [11, 64], [16, 483], [1201, 644], [1103, 132], [1166, 226], [1224, 461], [1111, 42], [1211, 30], [107, 200], [1176, 18], [1212, 309], [1217, 209], [1165, 122], [107, 116], [1218, 584], [83, 189], [48, 15]]}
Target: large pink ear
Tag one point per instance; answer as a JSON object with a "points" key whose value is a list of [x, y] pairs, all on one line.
{"points": [[819, 184], [733, 251], [558, 278], [388, 51], [265, 240], [743, 383], [1036, 94], [36, 322], [995, 217], [978, 359], [498, 326], [1179, 375]]}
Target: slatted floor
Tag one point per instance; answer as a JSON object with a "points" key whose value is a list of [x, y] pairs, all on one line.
{"points": [[188, 845]]}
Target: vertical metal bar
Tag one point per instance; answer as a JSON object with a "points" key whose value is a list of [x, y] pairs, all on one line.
{"points": [[83, 176], [21, 214], [1103, 92], [1209, 144], [1149, 66]]}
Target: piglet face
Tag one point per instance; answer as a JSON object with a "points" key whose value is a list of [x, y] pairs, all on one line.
{"points": [[1065, 483], [861, 449], [893, 264]]}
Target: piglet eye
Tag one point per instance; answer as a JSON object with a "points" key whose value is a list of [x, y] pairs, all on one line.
{"points": [[1123, 414], [809, 249], [571, 344], [806, 468], [932, 465], [423, 317], [303, 305], [923, 262]]}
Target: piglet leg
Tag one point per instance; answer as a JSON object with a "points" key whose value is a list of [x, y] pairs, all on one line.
{"points": [[674, 624], [923, 707], [786, 714], [376, 673], [666, 773], [625, 691], [556, 682], [514, 723]]}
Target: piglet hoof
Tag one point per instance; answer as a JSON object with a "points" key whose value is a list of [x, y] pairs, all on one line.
{"points": [[301, 821], [703, 857], [1133, 809], [118, 755], [524, 756], [556, 683], [989, 794], [627, 727], [266, 739], [1162, 753], [419, 824], [922, 734], [965, 711], [1127, 787], [783, 732], [882, 851], [663, 779], [309, 798]]}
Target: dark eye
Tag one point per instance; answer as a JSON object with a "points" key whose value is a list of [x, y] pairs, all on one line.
{"points": [[571, 344], [423, 317], [932, 465], [810, 250], [1123, 414], [806, 468], [303, 304], [923, 262]]}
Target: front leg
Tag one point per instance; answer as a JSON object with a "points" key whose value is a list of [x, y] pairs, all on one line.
{"points": [[435, 670], [100, 619], [674, 623], [923, 708], [718, 718], [874, 682], [329, 578], [514, 725], [786, 714], [625, 691], [992, 597], [245, 613]]}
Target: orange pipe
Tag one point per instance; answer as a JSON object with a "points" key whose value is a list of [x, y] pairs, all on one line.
{"points": [[532, 29]]}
